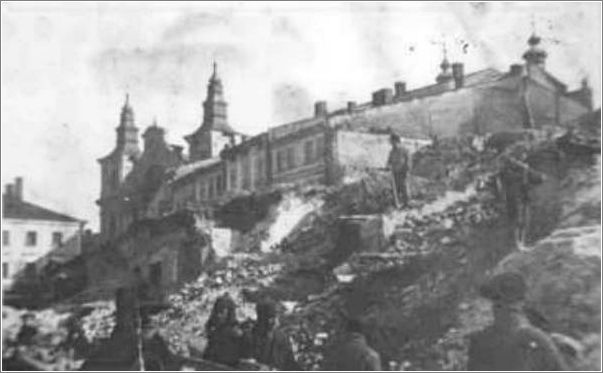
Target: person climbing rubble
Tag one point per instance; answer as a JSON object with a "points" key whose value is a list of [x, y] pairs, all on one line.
{"points": [[353, 353], [511, 342], [224, 334], [270, 346], [398, 163], [517, 178], [28, 330]]}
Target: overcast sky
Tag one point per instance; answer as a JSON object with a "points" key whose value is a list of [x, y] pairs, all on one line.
{"points": [[67, 66]]}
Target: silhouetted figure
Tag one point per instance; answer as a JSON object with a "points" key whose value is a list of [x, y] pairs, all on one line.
{"points": [[353, 353], [270, 345], [28, 330], [398, 163], [511, 343], [224, 335]]}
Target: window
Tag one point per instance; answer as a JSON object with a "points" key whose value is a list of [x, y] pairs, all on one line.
{"points": [[280, 161], [211, 188], [233, 177], [220, 184], [290, 157], [31, 238], [308, 152], [57, 239], [155, 274], [246, 173], [5, 238], [320, 149], [5, 272], [259, 169]]}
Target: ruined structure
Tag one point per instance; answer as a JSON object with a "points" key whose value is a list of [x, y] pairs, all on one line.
{"points": [[326, 147]]}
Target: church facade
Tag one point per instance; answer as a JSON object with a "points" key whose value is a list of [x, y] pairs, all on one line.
{"points": [[322, 148]]}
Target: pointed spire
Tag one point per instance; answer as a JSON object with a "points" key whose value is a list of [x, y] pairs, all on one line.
{"points": [[214, 76], [444, 75], [127, 114], [154, 121], [535, 55]]}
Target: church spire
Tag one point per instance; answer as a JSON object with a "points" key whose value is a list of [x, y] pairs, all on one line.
{"points": [[214, 107], [127, 133], [445, 75], [535, 55], [127, 114]]}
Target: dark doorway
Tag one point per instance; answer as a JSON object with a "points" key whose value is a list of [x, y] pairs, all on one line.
{"points": [[155, 274]]}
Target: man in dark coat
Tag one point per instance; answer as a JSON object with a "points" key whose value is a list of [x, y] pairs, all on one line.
{"points": [[28, 330], [353, 354], [398, 162], [270, 345], [224, 335], [511, 343]]}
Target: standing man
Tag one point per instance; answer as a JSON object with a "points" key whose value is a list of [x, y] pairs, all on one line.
{"points": [[398, 163], [28, 330], [224, 335], [353, 354], [270, 345], [511, 342]]}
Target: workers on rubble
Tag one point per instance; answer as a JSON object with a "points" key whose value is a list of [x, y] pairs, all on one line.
{"points": [[511, 342], [28, 330], [517, 179], [224, 335], [270, 345], [354, 353], [398, 162]]}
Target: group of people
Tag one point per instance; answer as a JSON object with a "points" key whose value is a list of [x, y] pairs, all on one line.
{"points": [[232, 343], [514, 341]]}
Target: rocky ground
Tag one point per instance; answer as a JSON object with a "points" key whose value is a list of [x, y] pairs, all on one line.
{"points": [[416, 289]]}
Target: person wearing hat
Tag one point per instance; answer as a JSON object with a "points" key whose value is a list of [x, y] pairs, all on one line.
{"points": [[224, 335], [398, 162], [28, 330], [353, 353], [511, 343], [270, 345]]}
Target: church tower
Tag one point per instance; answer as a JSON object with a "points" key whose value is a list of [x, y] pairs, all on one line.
{"points": [[115, 167], [445, 75], [214, 133], [535, 55]]}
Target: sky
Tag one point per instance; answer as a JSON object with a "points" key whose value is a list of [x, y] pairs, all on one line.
{"points": [[66, 68]]}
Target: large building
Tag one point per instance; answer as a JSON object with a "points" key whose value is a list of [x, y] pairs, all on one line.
{"points": [[32, 235], [324, 147]]}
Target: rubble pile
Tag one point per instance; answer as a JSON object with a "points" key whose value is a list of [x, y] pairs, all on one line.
{"points": [[99, 323], [241, 276], [43, 350]]}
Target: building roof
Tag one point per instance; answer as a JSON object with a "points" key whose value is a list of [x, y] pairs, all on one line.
{"points": [[193, 167], [19, 209]]}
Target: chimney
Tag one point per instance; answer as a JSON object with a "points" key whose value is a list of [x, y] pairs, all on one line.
{"points": [[383, 97], [9, 191], [19, 188], [351, 106], [400, 89], [458, 75], [516, 69], [320, 109]]}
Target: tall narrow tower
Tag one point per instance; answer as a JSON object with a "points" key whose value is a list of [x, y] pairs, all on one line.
{"points": [[215, 132], [115, 167]]}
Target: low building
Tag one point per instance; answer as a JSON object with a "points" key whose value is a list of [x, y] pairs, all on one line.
{"points": [[32, 235]]}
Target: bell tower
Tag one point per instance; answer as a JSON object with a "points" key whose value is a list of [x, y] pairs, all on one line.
{"points": [[115, 167], [215, 132]]}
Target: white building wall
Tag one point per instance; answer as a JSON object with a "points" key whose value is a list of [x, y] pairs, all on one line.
{"points": [[16, 254]]}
